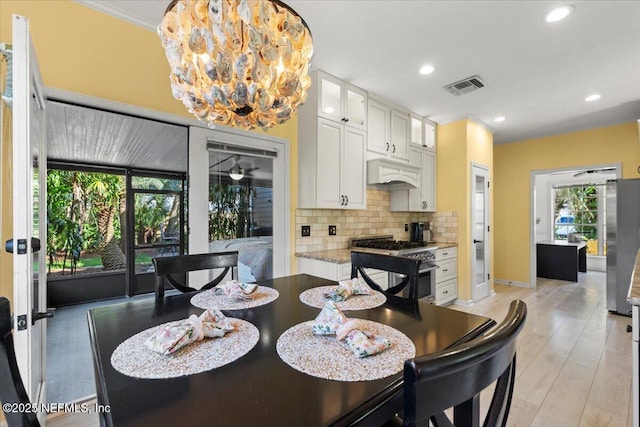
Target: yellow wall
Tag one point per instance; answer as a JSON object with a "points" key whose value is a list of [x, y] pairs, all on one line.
{"points": [[459, 144], [513, 165], [91, 53]]}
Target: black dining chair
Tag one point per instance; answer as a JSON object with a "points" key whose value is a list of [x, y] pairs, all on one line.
{"points": [[408, 267], [167, 268], [455, 378], [12, 389]]}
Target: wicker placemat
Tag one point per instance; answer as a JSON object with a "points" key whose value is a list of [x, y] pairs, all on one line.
{"points": [[208, 299], [325, 357], [134, 359], [315, 298]]}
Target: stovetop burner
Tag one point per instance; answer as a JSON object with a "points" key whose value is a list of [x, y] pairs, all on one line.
{"points": [[395, 247], [392, 245]]}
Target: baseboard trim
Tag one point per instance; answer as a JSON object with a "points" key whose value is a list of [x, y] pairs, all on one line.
{"points": [[512, 283], [463, 303]]}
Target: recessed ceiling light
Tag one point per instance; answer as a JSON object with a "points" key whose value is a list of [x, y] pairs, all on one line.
{"points": [[558, 14], [426, 69], [592, 97], [499, 119]]}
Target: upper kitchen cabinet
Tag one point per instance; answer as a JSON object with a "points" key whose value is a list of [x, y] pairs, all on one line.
{"points": [[340, 101], [423, 198], [423, 132], [388, 131], [331, 151]]}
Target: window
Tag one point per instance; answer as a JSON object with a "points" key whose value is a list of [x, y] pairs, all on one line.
{"points": [[579, 215]]}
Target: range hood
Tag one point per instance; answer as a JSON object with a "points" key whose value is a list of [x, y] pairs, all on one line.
{"points": [[388, 174]]}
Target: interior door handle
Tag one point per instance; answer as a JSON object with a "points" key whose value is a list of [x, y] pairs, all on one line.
{"points": [[477, 241]]}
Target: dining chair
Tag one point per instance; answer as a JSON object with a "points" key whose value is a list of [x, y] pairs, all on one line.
{"points": [[408, 267], [168, 267], [12, 389], [455, 378]]}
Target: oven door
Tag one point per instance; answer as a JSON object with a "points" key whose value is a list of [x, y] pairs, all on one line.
{"points": [[426, 284]]}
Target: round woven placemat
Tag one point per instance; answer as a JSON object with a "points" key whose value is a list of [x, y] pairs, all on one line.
{"points": [[315, 298], [208, 299], [330, 359], [133, 358]]}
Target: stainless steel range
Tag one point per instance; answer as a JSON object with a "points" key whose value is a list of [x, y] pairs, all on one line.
{"points": [[415, 250]]}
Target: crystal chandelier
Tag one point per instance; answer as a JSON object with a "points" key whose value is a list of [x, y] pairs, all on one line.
{"points": [[241, 63]]}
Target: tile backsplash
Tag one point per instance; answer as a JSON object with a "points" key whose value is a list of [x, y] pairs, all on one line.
{"points": [[376, 220]]}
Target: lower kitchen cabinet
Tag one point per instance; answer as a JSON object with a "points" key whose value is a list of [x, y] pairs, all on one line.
{"points": [[446, 275], [335, 271]]}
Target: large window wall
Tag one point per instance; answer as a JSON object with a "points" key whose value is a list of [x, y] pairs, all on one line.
{"points": [[579, 213]]}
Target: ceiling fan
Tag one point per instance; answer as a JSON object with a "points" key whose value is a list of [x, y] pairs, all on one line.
{"points": [[237, 172], [590, 171]]}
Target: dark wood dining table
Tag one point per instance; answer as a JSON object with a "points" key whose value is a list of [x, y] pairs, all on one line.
{"points": [[259, 389]]}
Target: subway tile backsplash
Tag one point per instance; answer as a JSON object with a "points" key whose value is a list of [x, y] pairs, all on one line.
{"points": [[375, 220]]}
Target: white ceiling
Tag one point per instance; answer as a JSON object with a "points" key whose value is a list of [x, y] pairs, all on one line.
{"points": [[537, 74]]}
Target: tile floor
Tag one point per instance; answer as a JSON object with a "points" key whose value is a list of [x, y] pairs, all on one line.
{"points": [[574, 358]]}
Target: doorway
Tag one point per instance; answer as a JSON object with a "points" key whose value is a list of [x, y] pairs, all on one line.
{"points": [[480, 273], [239, 194]]}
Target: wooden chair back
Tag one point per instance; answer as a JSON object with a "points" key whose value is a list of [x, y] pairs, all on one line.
{"points": [[168, 267], [409, 267], [455, 378], [12, 389]]}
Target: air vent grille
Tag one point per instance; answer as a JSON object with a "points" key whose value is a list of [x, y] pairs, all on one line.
{"points": [[467, 85]]}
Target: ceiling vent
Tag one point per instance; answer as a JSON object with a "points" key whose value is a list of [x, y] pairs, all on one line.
{"points": [[466, 85]]}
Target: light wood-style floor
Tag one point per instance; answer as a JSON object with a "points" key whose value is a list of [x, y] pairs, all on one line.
{"points": [[574, 358]]}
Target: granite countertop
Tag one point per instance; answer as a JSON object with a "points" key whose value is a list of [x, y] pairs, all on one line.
{"points": [[634, 288], [342, 256]]}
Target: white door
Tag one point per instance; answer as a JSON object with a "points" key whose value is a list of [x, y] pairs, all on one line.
{"points": [[480, 273], [353, 168], [29, 212]]}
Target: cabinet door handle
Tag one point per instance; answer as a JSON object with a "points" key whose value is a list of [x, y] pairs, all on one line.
{"points": [[387, 149], [346, 119], [341, 200], [394, 148], [445, 292], [445, 270], [347, 200]]}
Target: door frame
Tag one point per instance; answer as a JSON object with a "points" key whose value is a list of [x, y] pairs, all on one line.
{"points": [[533, 175], [198, 209], [487, 233]]}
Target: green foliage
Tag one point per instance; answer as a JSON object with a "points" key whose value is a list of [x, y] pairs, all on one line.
{"points": [[228, 211], [581, 202], [74, 202]]}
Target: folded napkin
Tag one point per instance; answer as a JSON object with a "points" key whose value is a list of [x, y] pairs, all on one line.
{"points": [[346, 288], [175, 335], [236, 289], [332, 320]]}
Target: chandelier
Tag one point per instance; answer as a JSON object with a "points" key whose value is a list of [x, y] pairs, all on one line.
{"points": [[239, 63]]}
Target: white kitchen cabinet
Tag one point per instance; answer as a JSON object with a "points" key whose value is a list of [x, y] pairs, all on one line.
{"points": [[331, 152], [423, 198], [446, 275], [340, 101], [334, 271], [340, 168], [423, 132], [388, 130]]}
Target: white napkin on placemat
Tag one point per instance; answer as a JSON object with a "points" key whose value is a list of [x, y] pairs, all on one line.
{"points": [[175, 335], [332, 321], [236, 289], [347, 288]]}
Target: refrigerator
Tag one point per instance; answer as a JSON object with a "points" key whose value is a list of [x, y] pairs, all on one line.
{"points": [[623, 240]]}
